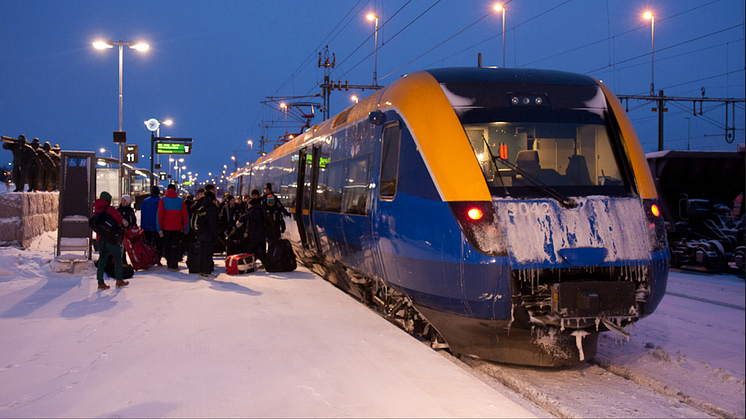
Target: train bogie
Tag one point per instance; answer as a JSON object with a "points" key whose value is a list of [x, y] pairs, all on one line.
{"points": [[508, 214]]}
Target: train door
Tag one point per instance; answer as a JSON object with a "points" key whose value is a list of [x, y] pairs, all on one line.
{"points": [[383, 220], [308, 174]]}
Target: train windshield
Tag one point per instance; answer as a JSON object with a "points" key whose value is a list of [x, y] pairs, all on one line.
{"points": [[549, 140]]}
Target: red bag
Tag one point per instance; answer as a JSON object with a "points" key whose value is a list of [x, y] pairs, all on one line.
{"points": [[240, 264], [141, 254]]}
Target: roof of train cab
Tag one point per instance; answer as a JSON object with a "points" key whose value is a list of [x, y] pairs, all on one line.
{"points": [[508, 75]]}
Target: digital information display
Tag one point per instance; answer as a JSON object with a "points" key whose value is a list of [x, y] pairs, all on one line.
{"points": [[173, 148]]}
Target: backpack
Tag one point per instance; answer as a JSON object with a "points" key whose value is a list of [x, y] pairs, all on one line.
{"points": [[280, 256], [106, 227], [198, 220]]}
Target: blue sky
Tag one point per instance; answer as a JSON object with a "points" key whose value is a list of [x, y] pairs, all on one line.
{"points": [[212, 63]]}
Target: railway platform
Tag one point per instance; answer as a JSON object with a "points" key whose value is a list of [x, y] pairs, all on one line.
{"points": [[256, 345]]}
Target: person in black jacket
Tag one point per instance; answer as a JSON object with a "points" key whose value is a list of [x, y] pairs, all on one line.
{"points": [[256, 233], [207, 233], [126, 210], [273, 221]]}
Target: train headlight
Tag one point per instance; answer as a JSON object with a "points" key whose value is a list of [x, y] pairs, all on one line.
{"points": [[475, 214], [656, 225], [479, 224]]}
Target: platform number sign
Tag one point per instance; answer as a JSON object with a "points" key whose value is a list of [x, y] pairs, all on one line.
{"points": [[162, 176], [130, 154]]}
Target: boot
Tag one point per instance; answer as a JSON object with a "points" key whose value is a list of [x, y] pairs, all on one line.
{"points": [[121, 283], [103, 287]]}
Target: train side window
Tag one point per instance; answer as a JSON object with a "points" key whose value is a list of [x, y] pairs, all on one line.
{"points": [[356, 185], [389, 160]]}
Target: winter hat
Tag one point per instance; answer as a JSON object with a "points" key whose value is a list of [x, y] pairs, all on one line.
{"points": [[228, 198], [270, 199], [127, 199], [105, 195]]}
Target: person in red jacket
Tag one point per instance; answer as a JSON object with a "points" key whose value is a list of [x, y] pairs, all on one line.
{"points": [[106, 249], [173, 221]]}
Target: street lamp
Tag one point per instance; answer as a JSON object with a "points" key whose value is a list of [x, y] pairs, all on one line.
{"points": [[285, 110], [651, 16], [103, 150], [371, 16], [110, 44], [154, 126], [499, 7], [354, 98]]}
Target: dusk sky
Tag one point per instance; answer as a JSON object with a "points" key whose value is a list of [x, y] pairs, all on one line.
{"points": [[211, 63]]}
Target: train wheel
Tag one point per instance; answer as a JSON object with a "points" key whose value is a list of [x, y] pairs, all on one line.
{"points": [[739, 256], [716, 263]]}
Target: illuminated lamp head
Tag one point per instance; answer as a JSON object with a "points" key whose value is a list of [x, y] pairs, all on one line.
{"points": [[655, 210], [475, 214]]}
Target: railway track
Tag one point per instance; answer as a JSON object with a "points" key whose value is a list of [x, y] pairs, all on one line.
{"points": [[642, 381]]}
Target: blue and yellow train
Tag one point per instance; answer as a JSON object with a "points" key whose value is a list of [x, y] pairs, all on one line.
{"points": [[508, 214]]}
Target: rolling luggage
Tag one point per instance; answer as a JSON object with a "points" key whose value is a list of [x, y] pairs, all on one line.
{"points": [[280, 256], [240, 264], [140, 253]]}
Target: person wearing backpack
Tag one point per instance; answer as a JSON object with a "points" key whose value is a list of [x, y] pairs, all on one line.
{"points": [[255, 233], [205, 221], [149, 221], [173, 221], [105, 247]]}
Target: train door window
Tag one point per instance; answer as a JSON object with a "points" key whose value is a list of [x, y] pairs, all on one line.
{"points": [[389, 160], [330, 194], [356, 185]]}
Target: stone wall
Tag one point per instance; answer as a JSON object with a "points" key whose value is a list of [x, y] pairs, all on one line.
{"points": [[26, 215]]}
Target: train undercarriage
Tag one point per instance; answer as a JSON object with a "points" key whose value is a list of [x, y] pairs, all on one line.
{"points": [[553, 323]]}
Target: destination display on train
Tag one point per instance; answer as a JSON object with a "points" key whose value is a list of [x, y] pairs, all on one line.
{"points": [[173, 147]]}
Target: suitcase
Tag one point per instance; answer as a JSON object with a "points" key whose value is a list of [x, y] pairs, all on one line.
{"points": [[240, 264], [193, 258], [280, 256]]}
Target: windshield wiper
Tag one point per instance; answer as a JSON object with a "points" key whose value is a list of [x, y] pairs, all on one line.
{"points": [[565, 201], [535, 183]]}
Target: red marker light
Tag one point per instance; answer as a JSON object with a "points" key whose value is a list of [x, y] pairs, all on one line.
{"points": [[475, 214], [654, 209]]}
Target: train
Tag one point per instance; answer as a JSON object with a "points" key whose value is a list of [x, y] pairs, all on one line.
{"points": [[504, 214]]}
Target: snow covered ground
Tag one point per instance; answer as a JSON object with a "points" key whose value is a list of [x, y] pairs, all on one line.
{"points": [[292, 345], [173, 345]]}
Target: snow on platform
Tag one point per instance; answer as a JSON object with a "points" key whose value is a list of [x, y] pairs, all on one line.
{"points": [[174, 345]]}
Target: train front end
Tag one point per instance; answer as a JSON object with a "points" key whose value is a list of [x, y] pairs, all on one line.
{"points": [[556, 194]]}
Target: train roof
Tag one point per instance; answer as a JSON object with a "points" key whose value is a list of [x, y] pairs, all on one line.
{"points": [[508, 75]]}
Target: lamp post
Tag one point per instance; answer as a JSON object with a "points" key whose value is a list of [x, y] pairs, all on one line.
{"points": [[103, 150], [110, 44], [499, 7], [371, 16], [285, 110], [651, 16], [154, 126]]}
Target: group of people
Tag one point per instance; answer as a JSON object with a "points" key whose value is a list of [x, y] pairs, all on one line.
{"points": [[34, 164], [172, 224]]}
